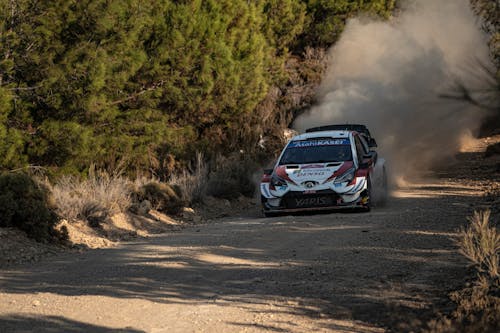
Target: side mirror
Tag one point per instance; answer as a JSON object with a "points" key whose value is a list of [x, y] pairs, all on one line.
{"points": [[372, 143]]}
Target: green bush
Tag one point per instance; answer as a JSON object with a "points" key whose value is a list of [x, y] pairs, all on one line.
{"points": [[24, 204], [125, 84]]}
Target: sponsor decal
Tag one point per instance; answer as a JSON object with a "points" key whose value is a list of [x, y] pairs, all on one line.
{"points": [[301, 173], [315, 143], [316, 201]]}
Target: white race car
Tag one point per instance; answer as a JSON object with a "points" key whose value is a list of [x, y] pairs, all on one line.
{"points": [[323, 170]]}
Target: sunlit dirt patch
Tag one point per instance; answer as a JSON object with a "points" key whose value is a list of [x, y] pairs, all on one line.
{"points": [[430, 190]]}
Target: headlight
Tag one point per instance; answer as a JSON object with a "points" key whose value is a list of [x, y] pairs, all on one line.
{"points": [[347, 176], [277, 181]]}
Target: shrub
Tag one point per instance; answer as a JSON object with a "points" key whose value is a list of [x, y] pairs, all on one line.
{"points": [[92, 199], [192, 185], [24, 204], [480, 243], [478, 305], [478, 310], [94, 213], [232, 177], [162, 197]]}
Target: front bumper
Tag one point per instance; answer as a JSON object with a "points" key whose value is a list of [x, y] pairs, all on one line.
{"points": [[317, 201]]}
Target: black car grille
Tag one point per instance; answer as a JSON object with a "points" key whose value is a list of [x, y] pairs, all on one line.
{"points": [[326, 198]]}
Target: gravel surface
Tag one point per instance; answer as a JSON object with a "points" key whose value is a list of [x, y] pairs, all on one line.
{"points": [[387, 270]]}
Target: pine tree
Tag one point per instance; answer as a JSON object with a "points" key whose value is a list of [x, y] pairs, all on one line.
{"points": [[11, 139], [327, 18], [130, 82]]}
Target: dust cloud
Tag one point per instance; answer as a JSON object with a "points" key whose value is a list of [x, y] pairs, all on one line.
{"points": [[392, 76]]}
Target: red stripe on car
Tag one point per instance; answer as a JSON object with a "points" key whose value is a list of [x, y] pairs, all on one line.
{"points": [[346, 166], [281, 172], [266, 179]]}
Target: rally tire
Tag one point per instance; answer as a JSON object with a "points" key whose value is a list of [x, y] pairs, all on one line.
{"points": [[384, 190]]}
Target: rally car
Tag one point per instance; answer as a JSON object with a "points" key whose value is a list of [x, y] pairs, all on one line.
{"points": [[322, 170]]}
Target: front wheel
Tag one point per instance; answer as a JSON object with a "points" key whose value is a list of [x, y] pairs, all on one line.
{"points": [[366, 197]]}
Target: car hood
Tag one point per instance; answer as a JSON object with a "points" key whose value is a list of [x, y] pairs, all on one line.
{"points": [[309, 175]]}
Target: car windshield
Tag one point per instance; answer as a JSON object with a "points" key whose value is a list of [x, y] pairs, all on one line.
{"points": [[317, 151]]}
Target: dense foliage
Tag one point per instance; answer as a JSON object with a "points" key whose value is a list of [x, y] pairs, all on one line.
{"points": [[327, 18], [132, 84], [489, 11], [25, 205]]}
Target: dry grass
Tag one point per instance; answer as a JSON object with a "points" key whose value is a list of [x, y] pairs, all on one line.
{"points": [[92, 199], [480, 243], [228, 178], [478, 305], [192, 184]]}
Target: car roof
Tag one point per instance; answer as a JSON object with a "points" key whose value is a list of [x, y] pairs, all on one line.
{"points": [[341, 127], [322, 134]]}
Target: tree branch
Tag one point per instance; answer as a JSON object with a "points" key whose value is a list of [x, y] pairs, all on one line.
{"points": [[139, 93]]}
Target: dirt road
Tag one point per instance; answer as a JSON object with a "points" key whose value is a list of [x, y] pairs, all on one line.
{"points": [[340, 272]]}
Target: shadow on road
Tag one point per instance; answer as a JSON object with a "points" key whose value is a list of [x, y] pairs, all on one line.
{"points": [[385, 267], [46, 324]]}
